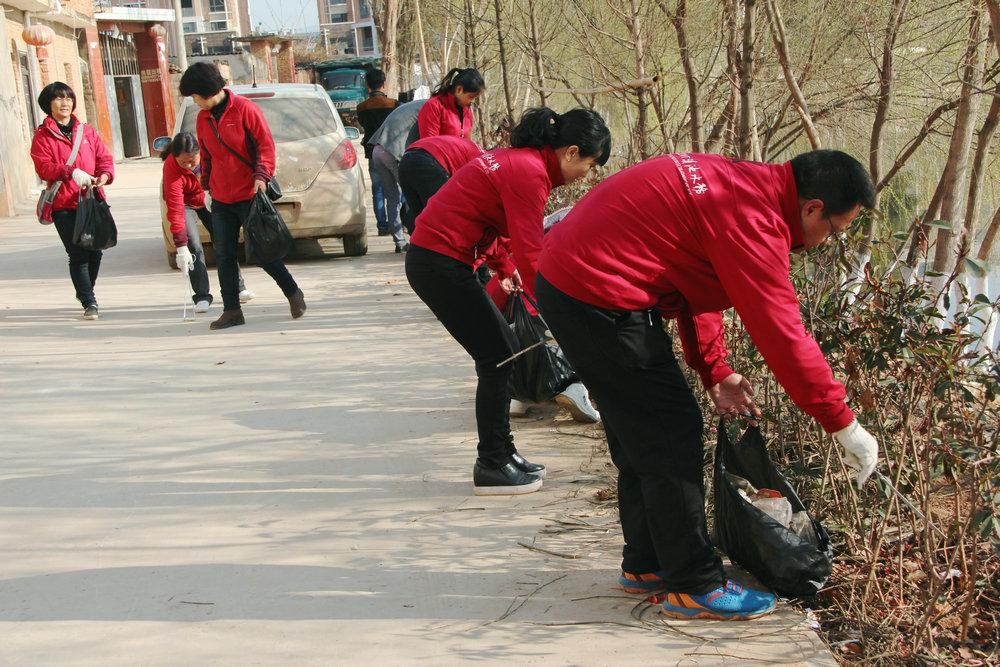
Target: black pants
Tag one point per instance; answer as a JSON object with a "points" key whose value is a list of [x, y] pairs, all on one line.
{"points": [[84, 264], [654, 429], [420, 177], [227, 219], [452, 292]]}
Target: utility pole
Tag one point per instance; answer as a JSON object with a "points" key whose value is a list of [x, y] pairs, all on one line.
{"points": [[182, 59]]}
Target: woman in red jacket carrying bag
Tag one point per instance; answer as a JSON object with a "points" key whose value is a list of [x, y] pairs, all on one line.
{"points": [[494, 201], [232, 132], [449, 110], [93, 166], [688, 236]]}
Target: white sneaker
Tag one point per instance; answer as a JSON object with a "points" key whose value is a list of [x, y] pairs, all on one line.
{"points": [[202, 306], [246, 295], [517, 408], [576, 399]]}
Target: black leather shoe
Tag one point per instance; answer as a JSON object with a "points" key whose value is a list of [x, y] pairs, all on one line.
{"points": [[507, 480], [527, 466], [229, 318]]}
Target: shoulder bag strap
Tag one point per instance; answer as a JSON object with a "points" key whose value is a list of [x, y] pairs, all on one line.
{"points": [[218, 136], [77, 140]]}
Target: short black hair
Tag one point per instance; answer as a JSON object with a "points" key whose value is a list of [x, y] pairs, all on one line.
{"points": [[375, 78], [54, 91], [183, 142], [579, 127], [202, 79], [835, 178]]}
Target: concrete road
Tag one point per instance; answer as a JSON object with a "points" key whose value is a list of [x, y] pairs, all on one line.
{"points": [[291, 492]]}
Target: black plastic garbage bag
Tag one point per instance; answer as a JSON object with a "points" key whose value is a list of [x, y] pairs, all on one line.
{"points": [[94, 228], [775, 555], [265, 232], [544, 371]]}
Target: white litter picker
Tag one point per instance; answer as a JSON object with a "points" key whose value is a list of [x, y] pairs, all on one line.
{"points": [[187, 299]]}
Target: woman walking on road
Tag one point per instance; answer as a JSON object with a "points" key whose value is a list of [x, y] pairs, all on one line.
{"points": [[185, 201], [232, 132], [92, 166], [496, 201], [449, 110]]}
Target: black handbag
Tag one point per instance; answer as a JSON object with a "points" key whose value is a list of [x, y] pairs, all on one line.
{"points": [[94, 228], [265, 231], [273, 189], [539, 374], [777, 556]]}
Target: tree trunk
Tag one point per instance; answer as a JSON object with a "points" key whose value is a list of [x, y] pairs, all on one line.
{"points": [[503, 62], [777, 26], [640, 64], [983, 142], [390, 52], [536, 52], [678, 19], [748, 147], [425, 65], [961, 142], [884, 99]]}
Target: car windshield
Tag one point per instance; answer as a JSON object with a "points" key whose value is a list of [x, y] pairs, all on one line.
{"points": [[335, 80], [290, 118]]}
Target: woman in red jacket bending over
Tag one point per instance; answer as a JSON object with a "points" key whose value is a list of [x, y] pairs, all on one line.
{"points": [[93, 166], [449, 110], [495, 201]]}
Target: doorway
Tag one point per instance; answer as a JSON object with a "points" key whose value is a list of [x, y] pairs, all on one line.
{"points": [[125, 101]]}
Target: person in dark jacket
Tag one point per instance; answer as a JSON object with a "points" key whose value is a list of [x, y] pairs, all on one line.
{"points": [[232, 131], [449, 110], [426, 165], [371, 114], [495, 200], [388, 145], [688, 236], [93, 167]]}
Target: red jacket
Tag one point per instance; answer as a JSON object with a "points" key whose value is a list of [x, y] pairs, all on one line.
{"points": [[50, 149], [494, 202], [451, 152], [181, 187], [244, 129], [693, 235], [439, 115]]}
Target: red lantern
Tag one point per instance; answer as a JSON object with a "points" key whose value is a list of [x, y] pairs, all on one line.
{"points": [[38, 35]]}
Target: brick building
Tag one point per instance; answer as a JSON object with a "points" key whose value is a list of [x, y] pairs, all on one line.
{"points": [[348, 27], [211, 26]]}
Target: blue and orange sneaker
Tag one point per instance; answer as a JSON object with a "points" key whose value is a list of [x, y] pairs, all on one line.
{"points": [[729, 602], [641, 583]]}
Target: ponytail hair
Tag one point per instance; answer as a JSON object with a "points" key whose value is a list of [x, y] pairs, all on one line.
{"points": [[184, 142], [469, 79], [583, 128]]}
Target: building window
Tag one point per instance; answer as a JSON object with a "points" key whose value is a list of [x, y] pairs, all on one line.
{"points": [[338, 12], [338, 18], [218, 26], [190, 27], [367, 40], [186, 4], [216, 5], [366, 10]]}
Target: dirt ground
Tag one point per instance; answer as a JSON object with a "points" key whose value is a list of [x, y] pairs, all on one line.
{"points": [[291, 492]]}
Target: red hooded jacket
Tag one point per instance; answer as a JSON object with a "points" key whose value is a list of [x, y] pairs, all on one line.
{"points": [[244, 129], [494, 202], [451, 152], [693, 235], [439, 115], [50, 149], [181, 188]]}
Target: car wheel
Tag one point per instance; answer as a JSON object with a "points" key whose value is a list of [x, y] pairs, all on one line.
{"points": [[356, 245]]}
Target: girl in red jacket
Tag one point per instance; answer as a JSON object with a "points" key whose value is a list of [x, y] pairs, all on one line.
{"points": [[449, 110], [426, 165], [494, 201], [185, 200], [93, 166]]}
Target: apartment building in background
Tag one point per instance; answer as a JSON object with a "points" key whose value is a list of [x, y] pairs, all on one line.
{"points": [[212, 26], [348, 27]]}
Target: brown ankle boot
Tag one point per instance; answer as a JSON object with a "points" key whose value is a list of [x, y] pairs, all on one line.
{"points": [[297, 304], [229, 318]]}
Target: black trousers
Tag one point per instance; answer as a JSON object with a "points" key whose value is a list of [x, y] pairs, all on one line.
{"points": [[84, 264], [420, 177], [654, 429], [452, 292], [227, 219]]}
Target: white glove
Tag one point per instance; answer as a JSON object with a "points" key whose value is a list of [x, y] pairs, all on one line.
{"points": [[82, 178], [860, 450], [185, 260]]}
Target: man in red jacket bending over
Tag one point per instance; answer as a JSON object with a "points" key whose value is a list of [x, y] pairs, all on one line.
{"points": [[688, 236]]}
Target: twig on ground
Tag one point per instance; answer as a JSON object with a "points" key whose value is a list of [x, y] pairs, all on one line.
{"points": [[551, 553]]}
